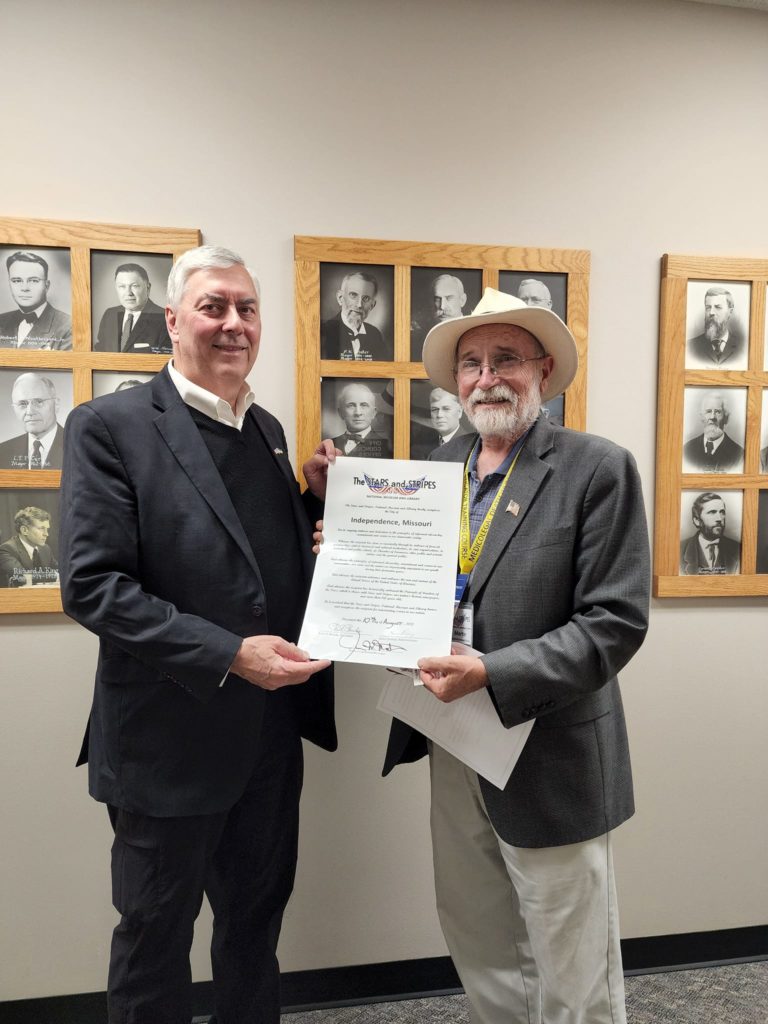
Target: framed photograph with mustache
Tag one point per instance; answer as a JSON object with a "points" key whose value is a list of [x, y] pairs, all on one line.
{"points": [[541, 289], [715, 427], [62, 283], [711, 429], [437, 294], [710, 532], [356, 312], [717, 325], [363, 308]]}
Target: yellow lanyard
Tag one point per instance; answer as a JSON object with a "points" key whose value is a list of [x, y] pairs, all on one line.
{"points": [[469, 552]]}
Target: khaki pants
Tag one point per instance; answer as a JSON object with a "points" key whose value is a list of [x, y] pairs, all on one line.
{"points": [[533, 933]]}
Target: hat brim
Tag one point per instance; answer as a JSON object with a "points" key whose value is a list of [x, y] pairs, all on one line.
{"points": [[440, 344]]}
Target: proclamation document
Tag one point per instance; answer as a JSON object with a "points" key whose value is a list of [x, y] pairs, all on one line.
{"points": [[384, 582]]}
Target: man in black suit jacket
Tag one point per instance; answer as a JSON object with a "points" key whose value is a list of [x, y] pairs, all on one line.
{"points": [[709, 552], [357, 407], [26, 558], [347, 335], [36, 323], [445, 414], [713, 451], [137, 324], [195, 580], [36, 406], [722, 343]]}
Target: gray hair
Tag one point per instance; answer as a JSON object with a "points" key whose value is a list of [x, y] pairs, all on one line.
{"points": [[365, 277], [719, 290], [49, 385], [204, 257]]}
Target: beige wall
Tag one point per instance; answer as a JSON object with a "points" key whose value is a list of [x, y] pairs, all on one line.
{"points": [[630, 129]]}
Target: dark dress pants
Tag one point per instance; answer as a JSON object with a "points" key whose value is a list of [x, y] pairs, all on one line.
{"points": [[244, 860]]}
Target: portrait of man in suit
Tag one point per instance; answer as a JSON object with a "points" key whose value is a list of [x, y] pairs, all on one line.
{"points": [[555, 580], [709, 552], [347, 335], [186, 547], [26, 559], [357, 408], [36, 407], [722, 342], [137, 324], [35, 323], [447, 299], [445, 414], [713, 450]]}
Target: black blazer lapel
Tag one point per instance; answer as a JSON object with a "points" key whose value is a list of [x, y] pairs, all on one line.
{"points": [[183, 439]]}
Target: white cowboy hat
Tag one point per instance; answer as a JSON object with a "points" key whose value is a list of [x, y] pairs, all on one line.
{"points": [[499, 308]]}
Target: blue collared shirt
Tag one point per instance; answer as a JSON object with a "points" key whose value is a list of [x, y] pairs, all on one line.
{"points": [[482, 492]]}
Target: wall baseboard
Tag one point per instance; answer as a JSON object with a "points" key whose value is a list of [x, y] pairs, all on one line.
{"points": [[412, 979]]}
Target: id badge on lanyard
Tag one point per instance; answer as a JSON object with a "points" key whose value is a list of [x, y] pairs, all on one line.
{"points": [[463, 614]]}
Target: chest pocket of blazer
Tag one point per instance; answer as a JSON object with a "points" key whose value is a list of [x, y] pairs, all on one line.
{"points": [[531, 536]]}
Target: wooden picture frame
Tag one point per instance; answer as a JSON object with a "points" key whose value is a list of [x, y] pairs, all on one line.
{"points": [[713, 385], [405, 264], [74, 354]]}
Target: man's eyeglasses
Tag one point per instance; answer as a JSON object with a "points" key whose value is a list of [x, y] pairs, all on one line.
{"points": [[504, 365], [35, 403]]}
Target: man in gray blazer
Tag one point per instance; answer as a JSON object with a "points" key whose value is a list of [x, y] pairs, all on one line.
{"points": [[558, 596]]}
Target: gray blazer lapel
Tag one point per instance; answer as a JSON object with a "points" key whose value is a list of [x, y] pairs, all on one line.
{"points": [[518, 496], [182, 437]]}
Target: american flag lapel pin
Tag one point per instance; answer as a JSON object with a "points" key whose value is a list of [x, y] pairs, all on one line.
{"points": [[513, 507]]}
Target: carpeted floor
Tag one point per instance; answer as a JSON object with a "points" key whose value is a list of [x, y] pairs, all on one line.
{"points": [[736, 994]]}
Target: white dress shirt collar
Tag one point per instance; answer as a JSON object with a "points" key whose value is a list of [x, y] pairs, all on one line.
{"points": [[209, 404]]}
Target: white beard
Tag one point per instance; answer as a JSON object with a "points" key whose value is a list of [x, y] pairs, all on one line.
{"points": [[509, 421]]}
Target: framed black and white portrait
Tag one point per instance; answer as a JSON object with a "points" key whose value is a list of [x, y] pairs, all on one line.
{"points": [[710, 532], [356, 414], [35, 298], [537, 289], [105, 382], [356, 312], [34, 405], [438, 294], [714, 430], [717, 325], [128, 302], [764, 433], [436, 418], [29, 526], [762, 533]]}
